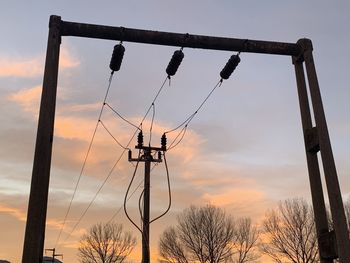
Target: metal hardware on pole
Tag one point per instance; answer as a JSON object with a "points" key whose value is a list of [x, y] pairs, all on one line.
{"points": [[147, 158]]}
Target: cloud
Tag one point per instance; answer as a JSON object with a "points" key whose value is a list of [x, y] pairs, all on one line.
{"points": [[33, 66], [235, 196], [15, 212], [28, 99], [21, 216]]}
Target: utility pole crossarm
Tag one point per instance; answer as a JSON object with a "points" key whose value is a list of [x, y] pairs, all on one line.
{"points": [[177, 39]]}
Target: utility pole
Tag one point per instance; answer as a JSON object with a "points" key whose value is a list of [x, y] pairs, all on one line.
{"points": [[333, 244], [147, 158], [54, 254]]}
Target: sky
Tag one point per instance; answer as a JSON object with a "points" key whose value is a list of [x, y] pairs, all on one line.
{"points": [[243, 151]]}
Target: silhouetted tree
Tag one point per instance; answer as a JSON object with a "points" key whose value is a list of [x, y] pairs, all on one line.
{"points": [[106, 243], [207, 235], [290, 234], [245, 241]]}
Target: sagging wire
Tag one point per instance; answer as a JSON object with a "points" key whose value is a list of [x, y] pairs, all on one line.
{"points": [[100, 188], [85, 158], [115, 139], [120, 116], [127, 193], [140, 205], [175, 143], [187, 121], [121, 207], [225, 73], [117, 57], [116, 163], [151, 127], [117, 51], [169, 191]]}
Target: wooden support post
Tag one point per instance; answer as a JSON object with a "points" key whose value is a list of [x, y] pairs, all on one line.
{"points": [[330, 172], [37, 207], [177, 39], [312, 161], [146, 207]]}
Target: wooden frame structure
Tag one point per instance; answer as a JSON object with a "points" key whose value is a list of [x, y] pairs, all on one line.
{"points": [[316, 138]]}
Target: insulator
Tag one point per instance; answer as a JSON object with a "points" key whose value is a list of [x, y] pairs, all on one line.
{"points": [[159, 155], [129, 154], [175, 62], [163, 142], [117, 57], [230, 67], [140, 139]]}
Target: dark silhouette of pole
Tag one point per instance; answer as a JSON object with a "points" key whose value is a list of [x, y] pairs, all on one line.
{"points": [[311, 148], [147, 158], [330, 172], [37, 206], [146, 208]]}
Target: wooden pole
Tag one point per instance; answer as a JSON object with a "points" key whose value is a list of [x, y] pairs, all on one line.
{"points": [[146, 208], [176, 39], [37, 207], [330, 172], [311, 157]]}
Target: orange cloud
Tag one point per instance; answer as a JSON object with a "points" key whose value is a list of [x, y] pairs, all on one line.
{"points": [[17, 213], [28, 99], [21, 216], [33, 67], [235, 196]]}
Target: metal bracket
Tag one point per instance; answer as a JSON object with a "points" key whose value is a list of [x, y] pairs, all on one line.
{"points": [[311, 140], [328, 245]]}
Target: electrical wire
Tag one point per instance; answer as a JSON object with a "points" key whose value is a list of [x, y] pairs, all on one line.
{"points": [[104, 126], [121, 207], [120, 116], [190, 118], [115, 164], [151, 127], [169, 191], [140, 206], [155, 98], [187, 121], [85, 159], [127, 192], [100, 188], [173, 144]]}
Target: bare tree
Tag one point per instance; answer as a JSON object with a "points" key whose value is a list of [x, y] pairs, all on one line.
{"points": [[171, 248], [246, 240], [106, 243], [290, 234], [206, 235]]}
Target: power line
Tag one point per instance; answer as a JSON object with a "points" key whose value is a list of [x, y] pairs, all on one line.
{"points": [[120, 116], [115, 164], [169, 191], [187, 121], [120, 208], [151, 127], [115, 139], [86, 157]]}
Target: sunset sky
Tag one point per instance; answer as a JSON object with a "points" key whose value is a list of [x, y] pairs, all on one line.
{"points": [[243, 151]]}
